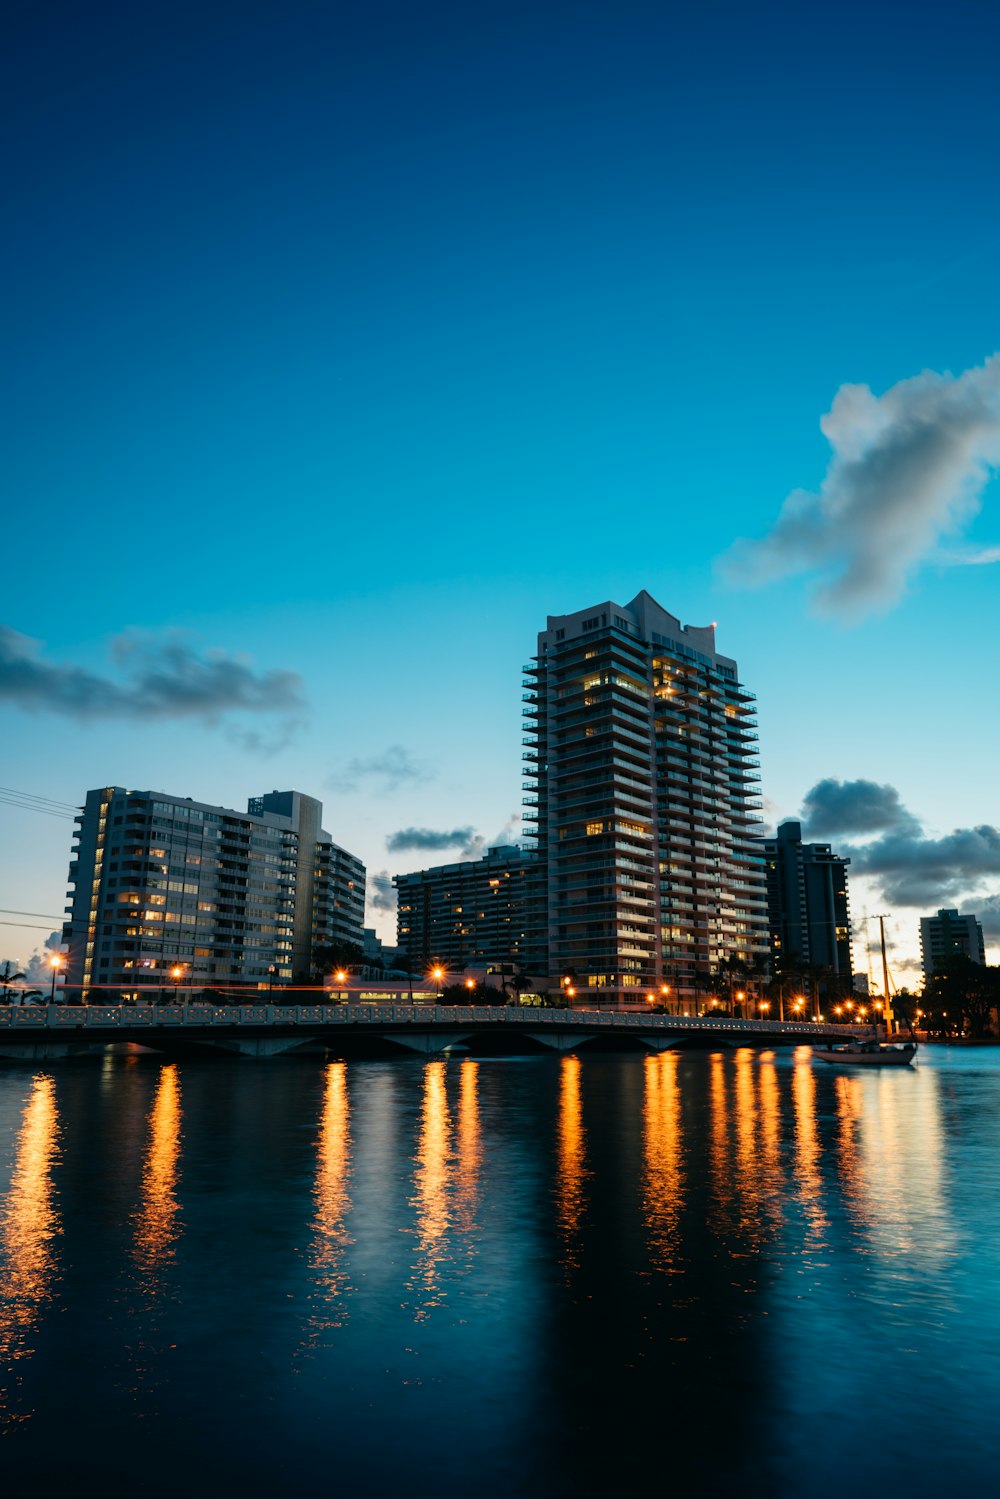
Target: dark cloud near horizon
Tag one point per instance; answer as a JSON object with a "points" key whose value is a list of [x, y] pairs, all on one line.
{"points": [[394, 767], [910, 868], [987, 912], [930, 872], [907, 469], [835, 807], [429, 839], [162, 678]]}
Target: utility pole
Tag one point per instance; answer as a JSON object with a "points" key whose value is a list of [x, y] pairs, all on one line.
{"points": [[887, 998]]}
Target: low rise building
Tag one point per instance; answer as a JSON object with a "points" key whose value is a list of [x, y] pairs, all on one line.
{"points": [[474, 913]]}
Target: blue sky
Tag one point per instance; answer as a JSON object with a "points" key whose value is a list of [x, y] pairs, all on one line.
{"points": [[353, 340]]}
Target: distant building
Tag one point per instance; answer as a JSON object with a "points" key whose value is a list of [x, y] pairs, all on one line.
{"points": [[947, 933], [641, 757], [808, 909], [473, 913], [162, 881]]}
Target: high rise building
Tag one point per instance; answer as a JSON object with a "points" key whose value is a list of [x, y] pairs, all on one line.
{"points": [[807, 902], [162, 881], [641, 766], [947, 933], [469, 914]]}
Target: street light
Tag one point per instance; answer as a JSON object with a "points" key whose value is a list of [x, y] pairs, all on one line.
{"points": [[176, 974], [438, 974], [270, 981], [55, 963]]}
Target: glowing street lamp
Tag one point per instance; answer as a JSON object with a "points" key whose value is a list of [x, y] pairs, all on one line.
{"points": [[176, 975], [55, 963], [437, 974]]}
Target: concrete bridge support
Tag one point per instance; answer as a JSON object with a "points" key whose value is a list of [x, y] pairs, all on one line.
{"points": [[559, 1040], [254, 1046], [34, 1051], [427, 1043]]}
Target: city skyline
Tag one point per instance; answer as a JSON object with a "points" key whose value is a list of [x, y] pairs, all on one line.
{"points": [[332, 367]]}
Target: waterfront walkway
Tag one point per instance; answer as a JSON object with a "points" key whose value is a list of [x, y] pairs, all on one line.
{"points": [[49, 1031]]}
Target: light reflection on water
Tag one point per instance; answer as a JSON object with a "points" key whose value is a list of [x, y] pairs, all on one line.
{"points": [[431, 1200], [157, 1225], [29, 1227], [663, 1180], [329, 1297], [572, 1170], [405, 1252]]}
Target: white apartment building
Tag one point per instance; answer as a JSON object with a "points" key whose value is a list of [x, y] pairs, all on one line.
{"points": [[163, 883], [643, 787]]}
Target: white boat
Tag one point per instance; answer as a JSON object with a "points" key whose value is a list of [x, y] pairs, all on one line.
{"points": [[868, 1054]]}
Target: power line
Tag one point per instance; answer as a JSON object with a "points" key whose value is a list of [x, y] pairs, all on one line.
{"points": [[32, 796], [29, 925], [29, 806], [46, 915]]}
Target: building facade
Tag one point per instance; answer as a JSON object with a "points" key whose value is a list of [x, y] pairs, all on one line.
{"points": [[474, 913], [161, 882], [643, 790], [808, 906], [948, 933]]}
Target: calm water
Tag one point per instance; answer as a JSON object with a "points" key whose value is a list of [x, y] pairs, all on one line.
{"points": [[704, 1274]]}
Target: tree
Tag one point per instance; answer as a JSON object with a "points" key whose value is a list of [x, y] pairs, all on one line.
{"points": [[461, 994], [9, 975], [964, 992], [328, 956]]}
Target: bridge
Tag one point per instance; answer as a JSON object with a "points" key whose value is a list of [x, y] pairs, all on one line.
{"points": [[47, 1032]]}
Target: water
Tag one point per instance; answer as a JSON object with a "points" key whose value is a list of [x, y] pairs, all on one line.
{"points": [[737, 1273]]}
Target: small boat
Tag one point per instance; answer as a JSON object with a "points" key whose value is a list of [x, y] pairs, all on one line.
{"points": [[870, 1051], [868, 1054]]}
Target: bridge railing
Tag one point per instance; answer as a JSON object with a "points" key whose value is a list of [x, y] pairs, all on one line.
{"points": [[129, 1018]]}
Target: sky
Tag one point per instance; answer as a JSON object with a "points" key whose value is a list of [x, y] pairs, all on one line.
{"points": [[345, 343]]}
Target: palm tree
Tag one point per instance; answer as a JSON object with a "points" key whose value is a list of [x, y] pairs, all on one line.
{"points": [[8, 978]]}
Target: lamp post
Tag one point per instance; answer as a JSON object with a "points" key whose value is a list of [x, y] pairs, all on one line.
{"points": [[55, 963], [270, 981], [176, 974], [438, 974]]}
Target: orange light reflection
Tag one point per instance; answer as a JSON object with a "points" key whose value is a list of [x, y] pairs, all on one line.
{"points": [[432, 1197], [571, 1151], [28, 1229], [663, 1183]]}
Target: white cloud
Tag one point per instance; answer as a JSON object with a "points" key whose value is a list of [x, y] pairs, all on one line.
{"points": [[908, 469]]}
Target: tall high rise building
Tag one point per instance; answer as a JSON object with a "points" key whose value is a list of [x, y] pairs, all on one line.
{"points": [[471, 913], [947, 933], [643, 788], [807, 902], [162, 881]]}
